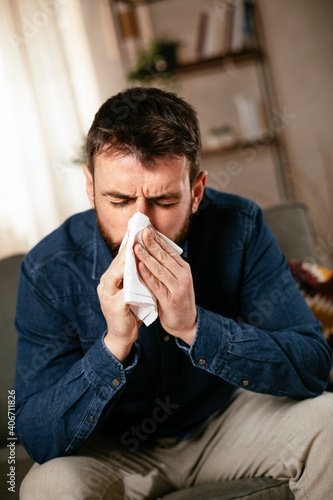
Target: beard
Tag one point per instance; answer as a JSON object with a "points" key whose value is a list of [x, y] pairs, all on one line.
{"points": [[113, 246]]}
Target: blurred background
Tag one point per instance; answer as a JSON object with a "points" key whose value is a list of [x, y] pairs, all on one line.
{"points": [[258, 72]]}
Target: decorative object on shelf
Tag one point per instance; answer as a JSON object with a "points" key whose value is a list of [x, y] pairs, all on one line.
{"points": [[220, 137], [249, 116], [158, 60]]}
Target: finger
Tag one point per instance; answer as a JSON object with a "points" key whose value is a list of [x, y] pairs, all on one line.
{"points": [[153, 268], [155, 285], [162, 251], [112, 280], [150, 236], [120, 257], [169, 249]]}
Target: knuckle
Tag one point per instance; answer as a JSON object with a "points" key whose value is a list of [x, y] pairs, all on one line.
{"points": [[187, 280], [187, 266], [152, 244], [173, 254], [161, 271], [165, 257]]}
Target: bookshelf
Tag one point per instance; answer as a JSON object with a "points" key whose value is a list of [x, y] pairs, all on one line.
{"points": [[197, 65]]}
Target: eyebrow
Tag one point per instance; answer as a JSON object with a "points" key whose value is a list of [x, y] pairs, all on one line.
{"points": [[122, 196]]}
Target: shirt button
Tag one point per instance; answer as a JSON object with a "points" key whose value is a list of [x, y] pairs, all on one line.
{"points": [[91, 419], [245, 383], [202, 362], [166, 338], [115, 382]]}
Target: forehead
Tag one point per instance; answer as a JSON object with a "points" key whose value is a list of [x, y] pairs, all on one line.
{"points": [[127, 172]]}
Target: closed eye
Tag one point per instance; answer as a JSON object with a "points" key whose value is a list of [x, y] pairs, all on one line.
{"points": [[164, 205], [119, 204]]}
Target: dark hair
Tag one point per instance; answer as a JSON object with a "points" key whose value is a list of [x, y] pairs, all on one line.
{"points": [[148, 123]]}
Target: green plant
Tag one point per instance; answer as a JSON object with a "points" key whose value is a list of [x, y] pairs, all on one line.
{"points": [[158, 60]]}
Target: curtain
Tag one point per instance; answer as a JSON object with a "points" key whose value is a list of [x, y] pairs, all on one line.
{"points": [[48, 97]]}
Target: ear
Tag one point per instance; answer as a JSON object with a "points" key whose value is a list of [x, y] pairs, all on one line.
{"points": [[198, 190], [89, 185]]}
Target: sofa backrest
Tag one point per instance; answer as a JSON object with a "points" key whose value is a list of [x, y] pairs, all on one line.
{"points": [[9, 274], [292, 226]]}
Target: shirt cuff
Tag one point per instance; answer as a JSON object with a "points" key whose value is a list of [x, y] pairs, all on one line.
{"points": [[104, 371], [209, 349]]}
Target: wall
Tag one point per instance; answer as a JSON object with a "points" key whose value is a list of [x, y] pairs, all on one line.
{"points": [[299, 43]]}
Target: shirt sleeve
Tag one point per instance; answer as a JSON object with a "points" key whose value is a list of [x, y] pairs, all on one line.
{"points": [[60, 392], [276, 345]]}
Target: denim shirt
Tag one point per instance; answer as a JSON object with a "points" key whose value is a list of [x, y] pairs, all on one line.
{"points": [[254, 330]]}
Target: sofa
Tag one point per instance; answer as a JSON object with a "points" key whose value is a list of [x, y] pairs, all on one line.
{"points": [[291, 224]]}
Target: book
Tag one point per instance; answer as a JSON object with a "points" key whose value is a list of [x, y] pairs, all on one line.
{"points": [[226, 28], [212, 33], [237, 31], [201, 33], [249, 38]]}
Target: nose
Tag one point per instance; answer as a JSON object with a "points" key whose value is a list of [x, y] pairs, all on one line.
{"points": [[146, 207]]}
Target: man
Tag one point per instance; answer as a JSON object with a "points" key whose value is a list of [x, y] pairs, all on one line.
{"points": [[114, 409]]}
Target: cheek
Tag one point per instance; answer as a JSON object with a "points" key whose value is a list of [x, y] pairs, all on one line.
{"points": [[113, 220], [169, 222]]}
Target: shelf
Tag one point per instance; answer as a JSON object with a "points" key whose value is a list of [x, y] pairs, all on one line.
{"points": [[137, 2], [212, 63], [218, 61], [237, 145]]}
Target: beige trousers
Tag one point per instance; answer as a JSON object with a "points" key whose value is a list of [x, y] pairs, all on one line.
{"points": [[257, 435]]}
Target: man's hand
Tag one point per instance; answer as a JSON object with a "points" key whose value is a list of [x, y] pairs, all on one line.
{"points": [[122, 325], [169, 278]]}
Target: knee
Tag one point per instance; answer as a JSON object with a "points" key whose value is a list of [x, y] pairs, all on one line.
{"points": [[58, 478], [76, 477], [319, 411], [316, 420]]}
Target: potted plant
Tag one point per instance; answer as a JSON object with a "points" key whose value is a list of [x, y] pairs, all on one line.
{"points": [[158, 60]]}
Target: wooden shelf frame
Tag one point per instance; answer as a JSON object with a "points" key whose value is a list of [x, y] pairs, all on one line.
{"points": [[134, 3], [218, 61], [238, 145]]}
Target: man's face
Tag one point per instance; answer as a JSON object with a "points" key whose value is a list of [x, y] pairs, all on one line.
{"points": [[122, 187]]}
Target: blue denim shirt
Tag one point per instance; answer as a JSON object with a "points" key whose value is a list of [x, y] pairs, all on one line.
{"points": [[254, 330]]}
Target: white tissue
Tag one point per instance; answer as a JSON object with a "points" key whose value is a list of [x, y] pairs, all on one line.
{"points": [[142, 302]]}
